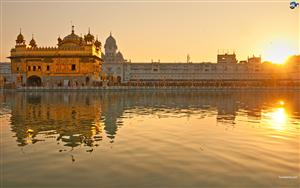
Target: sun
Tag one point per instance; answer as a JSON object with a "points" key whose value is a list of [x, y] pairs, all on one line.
{"points": [[278, 51]]}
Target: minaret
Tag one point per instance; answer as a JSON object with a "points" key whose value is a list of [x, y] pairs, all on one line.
{"points": [[20, 42], [32, 43]]}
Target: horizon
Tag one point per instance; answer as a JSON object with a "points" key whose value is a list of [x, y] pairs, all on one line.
{"points": [[155, 31]]}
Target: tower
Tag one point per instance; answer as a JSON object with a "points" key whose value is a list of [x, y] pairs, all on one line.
{"points": [[110, 46]]}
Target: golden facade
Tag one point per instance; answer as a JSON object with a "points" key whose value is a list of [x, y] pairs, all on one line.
{"points": [[76, 61]]}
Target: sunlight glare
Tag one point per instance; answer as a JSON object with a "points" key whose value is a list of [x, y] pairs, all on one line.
{"points": [[278, 52], [277, 119]]}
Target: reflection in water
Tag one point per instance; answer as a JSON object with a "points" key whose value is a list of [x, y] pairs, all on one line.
{"points": [[71, 119], [149, 139], [277, 118], [80, 118]]}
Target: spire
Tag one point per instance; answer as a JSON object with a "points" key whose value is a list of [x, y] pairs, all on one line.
{"points": [[59, 40], [20, 38], [97, 43], [89, 31], [110, 33], [32, 43], [73, 29]]}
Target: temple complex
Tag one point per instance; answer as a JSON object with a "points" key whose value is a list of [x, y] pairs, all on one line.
{"points": [[79, 62], [76, 61]]}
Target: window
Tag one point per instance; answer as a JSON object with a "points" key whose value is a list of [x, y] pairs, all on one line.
{"points": [[48, 68], [29, 68], [73, 67], [17, 68], [39, 68], [34, 68]]}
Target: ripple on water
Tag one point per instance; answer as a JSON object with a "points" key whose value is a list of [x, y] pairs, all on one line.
{"points": [[150, 140]]}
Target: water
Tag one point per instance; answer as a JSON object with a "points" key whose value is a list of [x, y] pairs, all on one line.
{"points": [[150, 139]]}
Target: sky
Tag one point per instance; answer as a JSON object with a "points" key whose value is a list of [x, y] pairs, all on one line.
{"points": [[160, 30]]}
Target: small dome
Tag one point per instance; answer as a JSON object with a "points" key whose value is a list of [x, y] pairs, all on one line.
{"points": [[32, 43], [89, 37], [119, 55], [97, 43], [110, 42], [20, 38], [59, 40]]}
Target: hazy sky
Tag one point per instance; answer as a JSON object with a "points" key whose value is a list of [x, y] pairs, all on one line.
{"points": [[160, 30]]}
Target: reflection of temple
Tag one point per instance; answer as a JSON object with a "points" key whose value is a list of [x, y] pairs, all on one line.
{"points": [[85, 118], [74, 118]]}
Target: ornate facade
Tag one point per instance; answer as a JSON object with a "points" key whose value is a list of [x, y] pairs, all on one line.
{"points": [[76, 61], [115, 66]]}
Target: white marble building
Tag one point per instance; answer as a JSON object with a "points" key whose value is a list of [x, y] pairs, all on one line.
{"points": [[114, 65], [227, 68]]}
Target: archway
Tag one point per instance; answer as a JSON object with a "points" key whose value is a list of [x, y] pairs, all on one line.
{"points": [[34, 81], [87, 80]]}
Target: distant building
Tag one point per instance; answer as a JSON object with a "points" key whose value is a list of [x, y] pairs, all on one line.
{"points": [[115, 66], [227, 68], [5, 74], [254, 60], [227, 58], [75, 61]]}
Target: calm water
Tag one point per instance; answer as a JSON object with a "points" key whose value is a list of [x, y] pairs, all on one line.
{"points": [[150, 139]]}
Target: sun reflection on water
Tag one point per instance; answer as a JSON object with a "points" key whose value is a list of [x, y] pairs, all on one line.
{"points": [[277, 118]]}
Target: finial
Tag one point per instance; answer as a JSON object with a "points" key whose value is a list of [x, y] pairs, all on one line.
{"points": [[32, 36], [20, 30], [110, 33], [73, 29], [89, 31]]}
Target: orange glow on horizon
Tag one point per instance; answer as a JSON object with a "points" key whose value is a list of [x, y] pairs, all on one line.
{"points": [[278, 52]]}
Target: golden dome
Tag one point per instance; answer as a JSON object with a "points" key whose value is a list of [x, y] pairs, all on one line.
{"points": [[89, 37], [20, 38], [32, 43], [71, 39]]}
